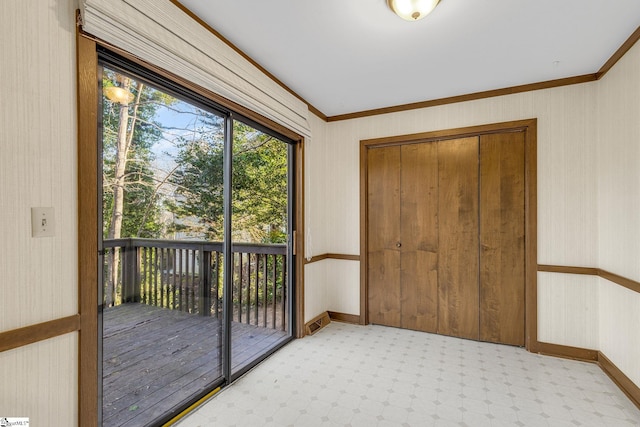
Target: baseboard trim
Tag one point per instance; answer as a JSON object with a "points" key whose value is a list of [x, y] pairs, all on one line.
{"points": [[568, 352], [345, 318], [624, 383]]}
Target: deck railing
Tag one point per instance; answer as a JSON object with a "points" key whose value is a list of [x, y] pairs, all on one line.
{"points": [[188, 276]]}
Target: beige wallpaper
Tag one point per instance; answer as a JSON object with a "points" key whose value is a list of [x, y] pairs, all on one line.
{"points": [[39, 382], [568, 310], [315, 288], [340, 298], [619, 335], [38, 168], [619, 210], [619, 166], [37, 165]]}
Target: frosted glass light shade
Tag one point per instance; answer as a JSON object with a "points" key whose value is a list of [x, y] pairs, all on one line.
{"points": [[412, 10], [118, 94]]}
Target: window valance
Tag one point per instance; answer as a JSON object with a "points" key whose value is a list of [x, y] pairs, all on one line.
{"points": [[158, 32]]}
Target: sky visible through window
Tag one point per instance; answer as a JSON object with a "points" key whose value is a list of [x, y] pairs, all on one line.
{"points": [[163, 170]]}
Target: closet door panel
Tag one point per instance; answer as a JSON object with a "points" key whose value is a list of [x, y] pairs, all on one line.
{"points": [[458, 238], [502, 238], [383, 235], [419, 228]]}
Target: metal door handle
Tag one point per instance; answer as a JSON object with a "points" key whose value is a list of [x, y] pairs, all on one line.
{"points": [[398, 244]]}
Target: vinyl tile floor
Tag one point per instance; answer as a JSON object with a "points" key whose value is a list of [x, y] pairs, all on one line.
{"points": [[349, 375]]}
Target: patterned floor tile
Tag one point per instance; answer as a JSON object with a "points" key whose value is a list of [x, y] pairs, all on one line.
{"points": [[373, 376]]}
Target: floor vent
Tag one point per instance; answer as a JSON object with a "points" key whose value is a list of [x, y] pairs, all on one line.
{"points": [[317, 323]]}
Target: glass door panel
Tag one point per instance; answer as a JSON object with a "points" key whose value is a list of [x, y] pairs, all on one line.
{"points": [[195, 245], [162, 229], [260, 230]]}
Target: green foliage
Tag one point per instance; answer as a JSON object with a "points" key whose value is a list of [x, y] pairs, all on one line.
{"points": [[259, 185], [198, 180], [141, 211], [190, 198]]}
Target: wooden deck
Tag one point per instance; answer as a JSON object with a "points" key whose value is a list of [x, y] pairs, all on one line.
{"points": [[154, 359]]}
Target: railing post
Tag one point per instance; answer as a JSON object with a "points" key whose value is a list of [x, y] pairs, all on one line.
{"points": [[130, 288], [204, 290], [216, 281], [283, 292], [136, 257]]}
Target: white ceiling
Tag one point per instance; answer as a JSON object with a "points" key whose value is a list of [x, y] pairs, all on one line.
{"points": [[346, 56]]}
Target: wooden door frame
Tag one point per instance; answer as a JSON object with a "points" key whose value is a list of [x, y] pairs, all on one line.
{"points": [[529, 127]]}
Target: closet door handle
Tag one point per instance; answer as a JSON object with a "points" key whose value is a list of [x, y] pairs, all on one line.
{"points": [[398, 245]]}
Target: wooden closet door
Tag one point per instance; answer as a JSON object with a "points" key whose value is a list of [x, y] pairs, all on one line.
{"points": [[383, 235], [419, 237], [502, 238], [458, 238]]}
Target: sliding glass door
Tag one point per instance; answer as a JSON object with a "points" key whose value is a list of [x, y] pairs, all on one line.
{"points": [[260, 232], [196, 245]]}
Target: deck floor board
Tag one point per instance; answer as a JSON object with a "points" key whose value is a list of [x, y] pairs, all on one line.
{"points": [[154, 359]]}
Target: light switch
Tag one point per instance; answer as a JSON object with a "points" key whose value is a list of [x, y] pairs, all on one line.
{"points": [[42, 222]]}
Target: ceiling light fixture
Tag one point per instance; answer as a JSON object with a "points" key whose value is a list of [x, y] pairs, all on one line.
{"points": [[118, 94], [412, 10]]}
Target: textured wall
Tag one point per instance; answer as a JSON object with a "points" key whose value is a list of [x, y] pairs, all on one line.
{"points": [[619, 334], [341, 298], [619, 166], [38, 168], [39, 382], [568, 310], [37, 164], [315, 290], [619, 210]]}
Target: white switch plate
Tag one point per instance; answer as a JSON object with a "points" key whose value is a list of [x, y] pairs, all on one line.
{"points": [[42, 222]]}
